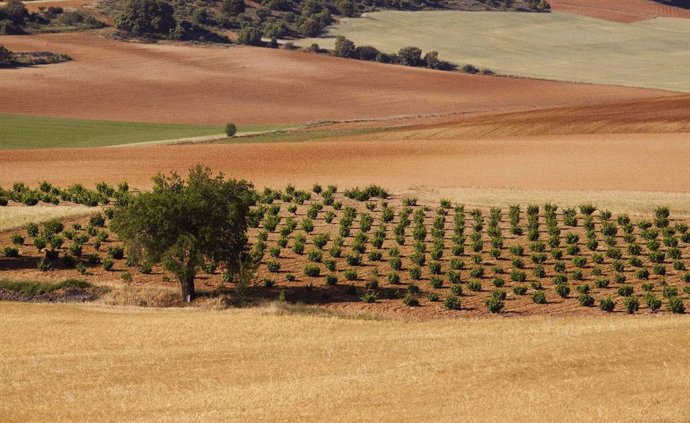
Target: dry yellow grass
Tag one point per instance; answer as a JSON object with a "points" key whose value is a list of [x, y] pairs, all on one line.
{"points": [[88, 363], [18, 217]]}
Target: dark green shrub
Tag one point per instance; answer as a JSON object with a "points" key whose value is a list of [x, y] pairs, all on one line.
{"points": [[474, 285], [520, 290], [393, 278], [456, 289], [518, 276], [117, 253], [631, 304], [583, 288], [410, 300], [454, 276], [601, 283], [432, 296], [452, 302], [626, 290], [477, 272], [435, 268], [585, 300], [312, 270], [669, 291], [108, 264], [494, 304], [498, 282], [652, 302], [415, 272], [370, 297], [436, 282], [607, 304], [642, 274], [539, 297], [350, 274], [11, 252], [395, 263], [675, 305], [274, 266]]}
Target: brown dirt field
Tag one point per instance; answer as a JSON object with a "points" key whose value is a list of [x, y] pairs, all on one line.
{"points": [[650, 116], [625, 11], [113, 80]]}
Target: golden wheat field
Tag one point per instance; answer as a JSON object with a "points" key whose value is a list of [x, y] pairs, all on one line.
{"points": [[73, 363]]}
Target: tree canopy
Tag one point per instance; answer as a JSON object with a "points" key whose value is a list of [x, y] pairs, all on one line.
{"points": [[187, 224], [147, 17]]}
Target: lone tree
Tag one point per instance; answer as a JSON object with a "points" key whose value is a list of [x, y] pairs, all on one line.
{"points": [[230, 130], [187, 224], [344, 47]]}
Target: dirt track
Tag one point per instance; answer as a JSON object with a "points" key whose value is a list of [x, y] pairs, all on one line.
{"points": [[185, 84], [625, 11]]}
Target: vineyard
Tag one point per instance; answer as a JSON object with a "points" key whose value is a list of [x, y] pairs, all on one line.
{"points": [[364, 247]]}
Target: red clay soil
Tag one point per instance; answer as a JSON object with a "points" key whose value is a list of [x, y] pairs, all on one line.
{"points": [[171, 83], [625, 11], [648, 116]]}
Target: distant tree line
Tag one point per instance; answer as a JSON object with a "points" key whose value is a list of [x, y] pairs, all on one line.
{"points": [[407, 56], [15, 19], [271, 19]]}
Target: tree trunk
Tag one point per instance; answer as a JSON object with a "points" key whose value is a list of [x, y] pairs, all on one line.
{"points": [[187, 285]]}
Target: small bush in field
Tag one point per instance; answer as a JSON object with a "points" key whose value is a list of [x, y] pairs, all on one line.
{"points": [[395, 263], [436, 282], [456, 289], [539, 297], [432, 296], [370, 297], [108, 264], [11, 252], [350, 275], [563, 290], [312, 270], [454, 276], [498, 282], [577, 275], [415, 272], [518, 276], [585, 300], [631, 304], [494, 304], [290, 277], [273, 266], [652, 302], [669, 291], [607, 304], [601, 283], [647, 287], [520, 290], [583, 289], [642, 274], [410, 300], [619, 278], [474, 286], [393, 278], [452, 302], [626, 290], [435, 268]]}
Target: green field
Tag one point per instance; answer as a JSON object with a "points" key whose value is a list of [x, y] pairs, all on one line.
{"points": [[653, 53], [22, 132]]}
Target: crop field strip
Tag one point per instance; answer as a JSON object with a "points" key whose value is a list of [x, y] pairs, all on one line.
{"points": [[554, 46], [340, 249]]}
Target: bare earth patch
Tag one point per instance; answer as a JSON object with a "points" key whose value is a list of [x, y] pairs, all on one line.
{"points": [[112, 80]]}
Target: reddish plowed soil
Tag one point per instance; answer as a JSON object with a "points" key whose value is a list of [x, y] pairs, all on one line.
{"points": [[625, 11], [649, 116], [168, 83]]}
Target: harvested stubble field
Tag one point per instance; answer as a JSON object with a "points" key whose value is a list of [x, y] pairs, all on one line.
{"points": [[111, 80], [555, 46], [253, 365], [376, 255]]}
